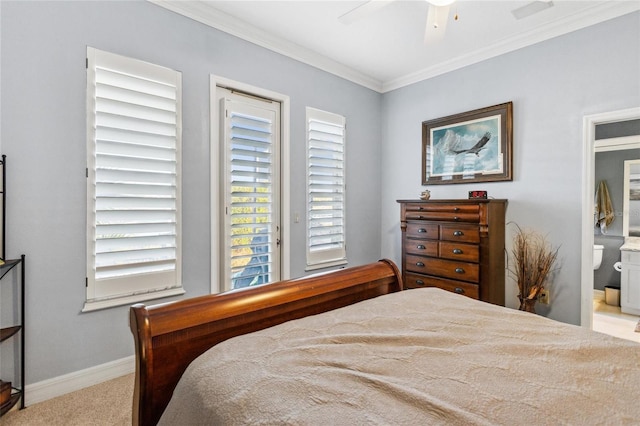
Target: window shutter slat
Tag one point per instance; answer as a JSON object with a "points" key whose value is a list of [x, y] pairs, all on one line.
{"points": [[123, 79], [108, 134]]}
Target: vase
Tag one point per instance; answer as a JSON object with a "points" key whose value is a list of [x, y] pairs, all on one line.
{"points": [[527, 305]]}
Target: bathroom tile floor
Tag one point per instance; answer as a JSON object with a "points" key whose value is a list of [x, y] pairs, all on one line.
{"points": [[610, 320]]}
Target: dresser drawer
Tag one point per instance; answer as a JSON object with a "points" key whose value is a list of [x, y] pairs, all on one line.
{"points": [[459, 251], [463, 233], [420, 281], [443, 212], [464, 271], [421, 247], [422, 230]]}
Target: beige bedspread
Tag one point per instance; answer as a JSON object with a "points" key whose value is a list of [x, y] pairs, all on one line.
{"points": [[416, 357]]}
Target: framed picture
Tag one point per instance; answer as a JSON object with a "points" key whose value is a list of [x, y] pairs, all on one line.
{"points": [[474, 146]]}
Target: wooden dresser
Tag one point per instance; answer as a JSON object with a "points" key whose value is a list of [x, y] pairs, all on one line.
{"points": [[457, 245]]}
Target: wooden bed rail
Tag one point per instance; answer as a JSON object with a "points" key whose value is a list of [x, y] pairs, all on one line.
{"points": [[169, 336]]}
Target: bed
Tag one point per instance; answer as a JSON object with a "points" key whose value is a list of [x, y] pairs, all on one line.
{"points": [[351, 347]]}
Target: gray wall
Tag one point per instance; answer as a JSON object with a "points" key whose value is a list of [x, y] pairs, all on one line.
{"points": [[609, 166], [43, 85], [553, 85]]}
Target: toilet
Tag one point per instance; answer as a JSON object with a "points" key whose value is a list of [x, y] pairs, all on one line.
{"points": [[597, 256]]}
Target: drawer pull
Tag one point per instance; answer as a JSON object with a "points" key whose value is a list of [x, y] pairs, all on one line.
{"points": [[458, 233], [459, 290], [456, 218], [419, 282], [419, 264], [422, 230], [455, 209], [420, 247], [459, 271], [457, 251]]}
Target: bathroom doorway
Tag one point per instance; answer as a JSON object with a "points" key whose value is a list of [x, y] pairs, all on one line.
{"points": [[588, 304]]}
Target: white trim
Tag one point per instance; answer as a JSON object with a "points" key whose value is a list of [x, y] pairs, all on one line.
{"points": [[285, 193], [588, 189], [616, 144], [324, 265], [96, 305], [201, 12], [61, 385], [214, 177]]}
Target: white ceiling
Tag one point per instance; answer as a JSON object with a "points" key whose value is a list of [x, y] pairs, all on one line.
{"points": [[386, 49]]}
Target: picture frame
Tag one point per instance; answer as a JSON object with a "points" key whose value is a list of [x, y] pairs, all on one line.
{"points": [[473, 146]]}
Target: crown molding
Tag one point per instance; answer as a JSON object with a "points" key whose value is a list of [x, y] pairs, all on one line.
{"points": [[594, 15], [201, 12]]}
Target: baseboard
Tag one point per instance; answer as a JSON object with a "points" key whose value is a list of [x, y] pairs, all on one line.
{"points": [[57, 386]]}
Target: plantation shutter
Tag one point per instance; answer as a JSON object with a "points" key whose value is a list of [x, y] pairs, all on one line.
{"points": [[326, 186], [252, 188], [133, 178]]}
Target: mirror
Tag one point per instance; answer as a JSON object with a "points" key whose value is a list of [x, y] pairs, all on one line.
{"points": [[631, 202]]}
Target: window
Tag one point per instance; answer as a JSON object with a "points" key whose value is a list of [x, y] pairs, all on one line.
{"points": [[133, 180], [251, 171], [326, 186]]}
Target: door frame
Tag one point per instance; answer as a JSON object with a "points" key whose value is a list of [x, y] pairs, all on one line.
{"points": [[214, 175], [588, 189]]}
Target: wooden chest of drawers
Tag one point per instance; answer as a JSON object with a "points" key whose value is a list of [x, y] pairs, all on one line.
{"points": [[457, 245]]}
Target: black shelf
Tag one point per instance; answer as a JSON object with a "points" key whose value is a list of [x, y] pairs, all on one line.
{"points": [[8, 332], [16, 395], [7, 266], [18, 302]]}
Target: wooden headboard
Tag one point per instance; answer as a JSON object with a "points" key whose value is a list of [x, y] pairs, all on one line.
{"points": [[169, 336]]}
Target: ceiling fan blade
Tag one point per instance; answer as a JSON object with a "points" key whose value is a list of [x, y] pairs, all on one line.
{"points": [[437, 19], [363, 10]]}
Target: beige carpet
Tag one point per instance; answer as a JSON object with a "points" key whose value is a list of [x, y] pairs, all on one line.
{"points": [[105, 404]]}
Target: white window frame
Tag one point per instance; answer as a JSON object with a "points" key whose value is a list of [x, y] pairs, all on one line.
{"points": [[334, 256], [218, 85], [131, 284]]}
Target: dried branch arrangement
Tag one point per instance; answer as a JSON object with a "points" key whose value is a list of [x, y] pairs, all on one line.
{"points": [[534, 258]]}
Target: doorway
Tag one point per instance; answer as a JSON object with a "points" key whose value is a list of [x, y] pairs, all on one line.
{"points": [[255, 237], [588, 177]]}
